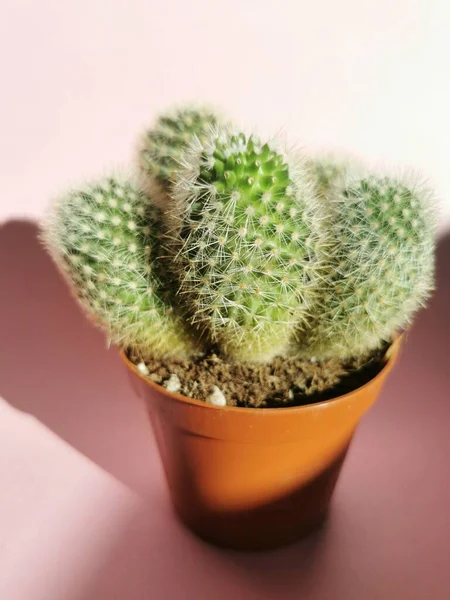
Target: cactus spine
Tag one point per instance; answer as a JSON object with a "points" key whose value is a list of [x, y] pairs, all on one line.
{"points": [[250, 243], [104, 238]]}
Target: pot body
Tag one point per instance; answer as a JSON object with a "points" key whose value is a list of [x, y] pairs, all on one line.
{"points": [[253, 479]]}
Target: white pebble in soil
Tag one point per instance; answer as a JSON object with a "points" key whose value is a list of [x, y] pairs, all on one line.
{"points": [[173, 384], [142, 368], [217, 397]]}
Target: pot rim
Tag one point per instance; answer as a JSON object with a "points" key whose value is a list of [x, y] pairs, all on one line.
{"points": [[391, 353]]}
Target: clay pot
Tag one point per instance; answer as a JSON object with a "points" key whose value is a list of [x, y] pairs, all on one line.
{"points": [[253, 479]]}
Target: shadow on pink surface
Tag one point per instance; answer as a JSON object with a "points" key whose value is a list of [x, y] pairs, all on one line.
{"points": [[388, 535], [53, 364]]}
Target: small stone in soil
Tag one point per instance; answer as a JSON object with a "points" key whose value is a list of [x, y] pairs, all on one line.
{"points": [[282, 382], [173, 384], [142, 368], [216, 397]]}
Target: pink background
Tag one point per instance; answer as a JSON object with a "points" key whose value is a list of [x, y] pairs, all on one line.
{"points": [[84, 511], [80, 78]]}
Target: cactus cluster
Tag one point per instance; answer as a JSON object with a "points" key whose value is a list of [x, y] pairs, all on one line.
{"points": [[251, 250]]}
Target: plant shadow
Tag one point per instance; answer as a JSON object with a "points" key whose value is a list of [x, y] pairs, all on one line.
{"points": [[53, 364]]}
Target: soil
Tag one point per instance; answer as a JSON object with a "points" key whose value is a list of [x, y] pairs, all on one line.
{"points": [[280, 383]]}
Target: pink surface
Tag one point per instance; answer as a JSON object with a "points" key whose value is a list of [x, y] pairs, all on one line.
{"points": [[84, 511]]}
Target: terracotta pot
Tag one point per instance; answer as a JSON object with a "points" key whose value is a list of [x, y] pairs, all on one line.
{"points": [[248, 478]]}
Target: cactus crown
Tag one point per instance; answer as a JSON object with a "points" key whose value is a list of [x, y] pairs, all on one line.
{"points": [[247, 249], [250, 243]]}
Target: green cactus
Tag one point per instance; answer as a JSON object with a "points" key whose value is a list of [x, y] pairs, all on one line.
{"points": [[250, 243], [241, 249], [104, 238], [163, 145], [382, 265], [328, 172]]}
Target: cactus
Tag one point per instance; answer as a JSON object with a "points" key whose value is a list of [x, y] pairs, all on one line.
{"points": [[163, 145], [328, 172], [105, 240], [250, 243], [381, 271], [238, 251]]}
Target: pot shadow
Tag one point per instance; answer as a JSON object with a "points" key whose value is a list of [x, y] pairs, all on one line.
{"points": [[53, 364], [158, 558]]}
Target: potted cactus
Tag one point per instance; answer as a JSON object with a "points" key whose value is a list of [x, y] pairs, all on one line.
{"points": [[258, 298]]}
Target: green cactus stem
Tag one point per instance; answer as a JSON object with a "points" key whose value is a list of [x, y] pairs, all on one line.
{"points": [[382, 266], [250, 243], [163, 144], [104, 239]]}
